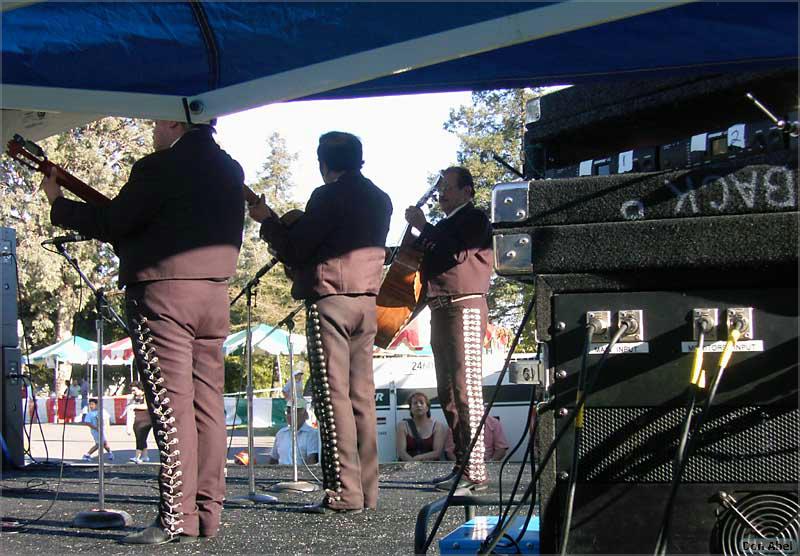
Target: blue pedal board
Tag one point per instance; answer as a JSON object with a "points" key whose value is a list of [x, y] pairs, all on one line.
{"points": [[468, 537]]}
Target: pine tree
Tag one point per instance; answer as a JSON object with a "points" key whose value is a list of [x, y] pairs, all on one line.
{"points": [[495, 123], [274, 299]]}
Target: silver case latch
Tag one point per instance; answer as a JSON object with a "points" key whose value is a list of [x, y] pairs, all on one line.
{"points": [[510, 202], [513, 254]]}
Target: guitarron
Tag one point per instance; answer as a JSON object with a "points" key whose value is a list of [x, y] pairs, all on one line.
{"points": [[399, 297]]}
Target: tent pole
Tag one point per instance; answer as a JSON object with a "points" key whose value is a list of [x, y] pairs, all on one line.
{"points": [[55, 384]]}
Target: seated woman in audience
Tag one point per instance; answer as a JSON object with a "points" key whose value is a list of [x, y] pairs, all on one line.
{"points": [[420, 438]]}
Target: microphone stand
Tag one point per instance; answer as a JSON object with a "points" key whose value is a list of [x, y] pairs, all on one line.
{"points": [[100, 517], [295, 484], [252, 497]]}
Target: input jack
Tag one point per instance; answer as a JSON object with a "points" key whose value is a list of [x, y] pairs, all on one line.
{"points": [[741, 318], [707, 322], [602, 325], [634, 320]]}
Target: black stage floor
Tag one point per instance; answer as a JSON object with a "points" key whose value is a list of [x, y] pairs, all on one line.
{"points": [[278, 528]]}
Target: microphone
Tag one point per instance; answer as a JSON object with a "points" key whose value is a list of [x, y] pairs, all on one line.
{"points": [[60, 240], [264, 269], [254, 280]]}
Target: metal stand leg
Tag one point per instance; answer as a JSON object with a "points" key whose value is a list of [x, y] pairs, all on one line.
{"points": [[101, 517], [252, 497], [295, 484]]}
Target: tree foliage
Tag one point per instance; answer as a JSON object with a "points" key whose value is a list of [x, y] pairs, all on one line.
{"points": [[53, 302], [495, 123], [273, 299]]}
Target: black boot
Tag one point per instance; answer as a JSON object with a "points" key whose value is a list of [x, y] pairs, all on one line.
{"points": [[154, 535], [447, 478]]}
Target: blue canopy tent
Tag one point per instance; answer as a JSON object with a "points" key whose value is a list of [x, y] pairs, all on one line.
{"points": [[74, 350], [206, 59], [274, 342]]}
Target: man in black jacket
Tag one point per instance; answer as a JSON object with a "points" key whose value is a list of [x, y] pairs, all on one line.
{"points": [[336, 252], [177, 228], [456, 268]]}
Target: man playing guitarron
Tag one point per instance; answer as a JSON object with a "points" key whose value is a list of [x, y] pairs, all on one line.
{"points": [[456, 267]]}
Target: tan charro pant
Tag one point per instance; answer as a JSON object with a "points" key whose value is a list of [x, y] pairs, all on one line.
{"points": [[177, 328]]}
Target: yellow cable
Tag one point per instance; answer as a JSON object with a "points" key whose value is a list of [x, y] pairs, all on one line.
{"points": [[579, 416], [697, 366], [733, 337]]}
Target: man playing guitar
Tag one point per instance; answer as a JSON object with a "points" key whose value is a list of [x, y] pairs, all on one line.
{"points": [[336, 251], [456, 267], [177, 228]]}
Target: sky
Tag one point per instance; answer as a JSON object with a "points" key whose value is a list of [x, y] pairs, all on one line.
{"points": [[403, 137]]}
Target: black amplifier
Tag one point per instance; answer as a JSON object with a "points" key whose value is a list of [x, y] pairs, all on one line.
{"points": [[592, 122], [725, 213], [737, 141], [748, 446], [633, 161]]}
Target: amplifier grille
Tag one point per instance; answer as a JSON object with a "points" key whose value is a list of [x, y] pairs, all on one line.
{"points": [[750, 444]]}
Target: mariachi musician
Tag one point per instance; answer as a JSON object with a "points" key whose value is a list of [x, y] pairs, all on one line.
{"points": [[336, 252], [456, 267], [177, 227]]}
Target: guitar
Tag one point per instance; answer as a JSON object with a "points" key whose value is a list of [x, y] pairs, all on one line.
{"points": [[399, 300], [288, 220], [32, 155]]}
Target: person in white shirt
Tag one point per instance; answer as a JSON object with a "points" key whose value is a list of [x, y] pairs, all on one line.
{"points": [[307, 439], [91, 417], [298, 381]]}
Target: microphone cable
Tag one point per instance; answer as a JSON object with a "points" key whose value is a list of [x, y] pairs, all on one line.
{"points": [[60, 480], [503, 510], [487, 548], [686, 443], [696, 382], [592, 327], [28, 431], [479, 430]]}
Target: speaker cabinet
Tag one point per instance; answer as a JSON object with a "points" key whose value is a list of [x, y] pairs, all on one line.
{"points": [[746, 456], [12, 412], [8, 288]]}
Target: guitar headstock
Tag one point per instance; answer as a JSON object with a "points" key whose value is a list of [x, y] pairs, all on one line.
{"points": [[429, 193], [26, 152]]}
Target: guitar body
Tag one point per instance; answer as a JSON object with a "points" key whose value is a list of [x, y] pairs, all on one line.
{"points": [[399, 297]]}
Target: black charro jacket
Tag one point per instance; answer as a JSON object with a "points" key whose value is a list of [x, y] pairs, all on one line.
{"points": [[338, 246], [179, 216], [457, 254]]}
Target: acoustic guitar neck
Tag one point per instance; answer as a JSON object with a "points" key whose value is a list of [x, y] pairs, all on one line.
{"points": [[31, 155]]}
